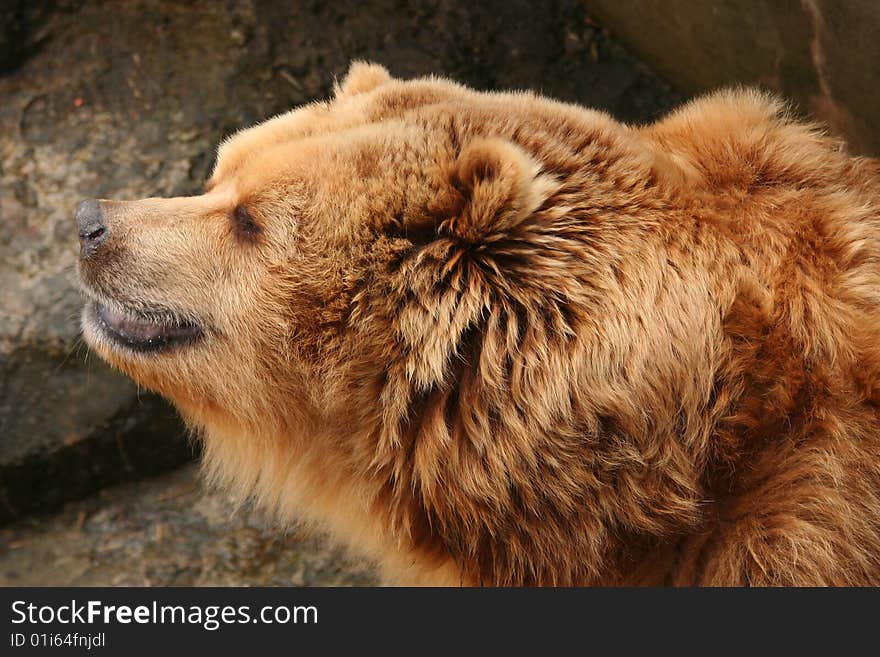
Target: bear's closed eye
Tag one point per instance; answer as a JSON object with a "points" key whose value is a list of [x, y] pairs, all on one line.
{"points": [[244, 223]]}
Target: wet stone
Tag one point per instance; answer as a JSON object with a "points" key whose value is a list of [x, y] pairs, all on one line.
{"points": [[168, 531]]}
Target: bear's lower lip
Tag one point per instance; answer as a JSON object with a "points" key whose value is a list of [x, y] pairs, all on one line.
{"points": [[143, 332]]}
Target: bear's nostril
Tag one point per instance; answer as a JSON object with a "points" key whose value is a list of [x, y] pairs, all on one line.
{"points": [[94, 235], [92, 229]]}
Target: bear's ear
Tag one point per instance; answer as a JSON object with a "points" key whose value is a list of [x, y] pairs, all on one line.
{"points": [[484, 197], [492, 186], [361, 77]]}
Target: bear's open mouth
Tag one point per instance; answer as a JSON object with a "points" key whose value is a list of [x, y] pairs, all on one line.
{"points": [[142, 331]]}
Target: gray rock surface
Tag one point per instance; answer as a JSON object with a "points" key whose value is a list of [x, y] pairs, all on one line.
{"points": [[167, 531], [127, 98], [824, 55]]}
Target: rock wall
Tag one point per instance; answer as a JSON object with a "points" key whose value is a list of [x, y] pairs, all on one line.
{"points": [[822, 54], [169, 531]]}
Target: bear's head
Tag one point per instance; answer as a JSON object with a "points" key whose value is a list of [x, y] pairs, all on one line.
{"points": [[468, 314]]}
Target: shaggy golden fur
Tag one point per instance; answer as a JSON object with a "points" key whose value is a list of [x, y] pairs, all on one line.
{"points": [[489, 338]]}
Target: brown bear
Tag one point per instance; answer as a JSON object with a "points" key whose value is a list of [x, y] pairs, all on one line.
{"points": [[494, 339]]}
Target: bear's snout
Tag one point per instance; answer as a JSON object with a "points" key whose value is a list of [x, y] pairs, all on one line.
{"points": [[91, 227]]}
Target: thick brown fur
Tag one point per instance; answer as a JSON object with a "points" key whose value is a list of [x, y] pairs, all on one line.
{"points": [[489, 338]]}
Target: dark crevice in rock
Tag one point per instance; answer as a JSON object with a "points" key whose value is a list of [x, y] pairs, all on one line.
{"points": [[20, 31]]}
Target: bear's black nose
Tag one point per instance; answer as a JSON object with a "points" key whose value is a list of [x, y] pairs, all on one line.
{"points": [[92, 230]]}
